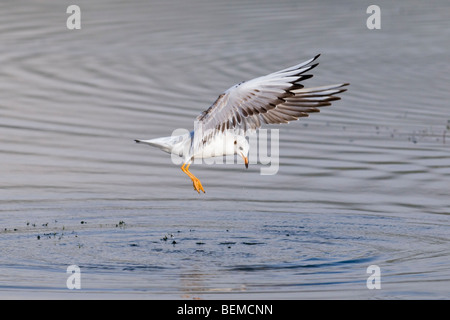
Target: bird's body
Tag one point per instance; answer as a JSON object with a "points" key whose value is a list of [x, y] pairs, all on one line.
{"points": [[272, 99], [220, 145]]}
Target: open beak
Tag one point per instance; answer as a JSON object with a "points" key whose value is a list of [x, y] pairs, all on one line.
{"points": [[245, 160]]}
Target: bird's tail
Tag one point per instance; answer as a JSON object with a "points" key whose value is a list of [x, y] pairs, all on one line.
{"points": [[160, 143]]}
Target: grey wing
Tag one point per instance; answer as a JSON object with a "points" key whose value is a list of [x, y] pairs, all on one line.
{"points": [[272, 99]]}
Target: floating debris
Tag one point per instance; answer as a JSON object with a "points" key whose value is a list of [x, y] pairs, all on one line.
{"points": [[167, 236], [121, 224]]}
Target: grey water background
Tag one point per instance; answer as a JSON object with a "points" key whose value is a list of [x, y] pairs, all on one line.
{"points": [[365, 182]]}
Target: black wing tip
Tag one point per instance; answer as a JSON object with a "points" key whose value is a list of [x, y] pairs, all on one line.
{"points": [[317, 56], [341, 87], [137, 141], [305, 77], [344, 85], [313, 66]]}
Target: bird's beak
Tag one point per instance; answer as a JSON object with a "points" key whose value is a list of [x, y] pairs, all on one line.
{"points": [[245, 160]]}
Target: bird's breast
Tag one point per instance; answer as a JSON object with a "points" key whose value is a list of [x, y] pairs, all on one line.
{"points": [[216, 147]]}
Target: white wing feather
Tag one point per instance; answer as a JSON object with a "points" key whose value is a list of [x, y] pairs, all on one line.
{"points": [[271, 99]]}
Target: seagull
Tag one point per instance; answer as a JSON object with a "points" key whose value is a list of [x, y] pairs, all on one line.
{"points": [[221, 129]]}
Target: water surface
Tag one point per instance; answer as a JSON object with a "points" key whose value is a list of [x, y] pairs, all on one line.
{"points": [[365, 182]]}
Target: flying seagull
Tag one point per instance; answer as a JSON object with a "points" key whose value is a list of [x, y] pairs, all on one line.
{"points": [[221, 129]]}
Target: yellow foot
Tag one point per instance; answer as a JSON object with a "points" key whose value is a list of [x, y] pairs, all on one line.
{"points": [[197, 185], [195, 182]]}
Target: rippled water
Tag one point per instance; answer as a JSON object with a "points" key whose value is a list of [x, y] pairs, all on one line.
{"points": [[365, 182]]}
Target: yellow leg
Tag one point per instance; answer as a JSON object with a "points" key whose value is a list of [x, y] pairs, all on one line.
{"points": [[195, 181]]}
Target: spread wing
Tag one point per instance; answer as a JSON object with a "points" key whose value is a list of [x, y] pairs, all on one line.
{"points": [[272, 99]]}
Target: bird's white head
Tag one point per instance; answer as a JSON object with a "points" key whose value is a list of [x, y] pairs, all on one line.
{"points": [[242, 148]]}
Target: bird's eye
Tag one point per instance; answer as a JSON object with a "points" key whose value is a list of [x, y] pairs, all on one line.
{"points": [[235, 142]]}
